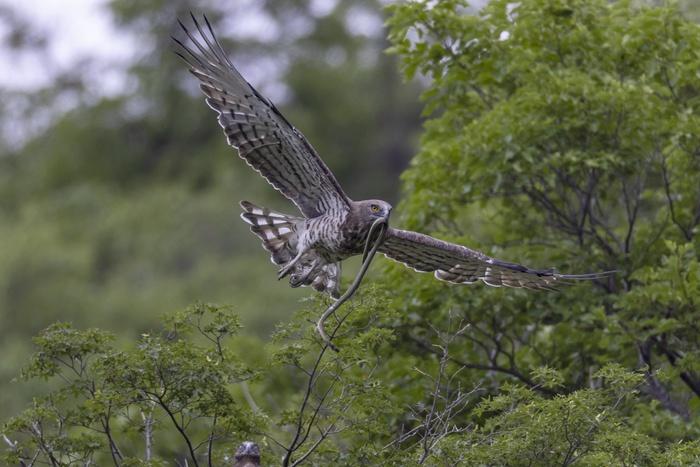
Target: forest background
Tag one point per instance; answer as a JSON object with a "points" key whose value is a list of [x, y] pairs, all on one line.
{"points": [[546, 132]]}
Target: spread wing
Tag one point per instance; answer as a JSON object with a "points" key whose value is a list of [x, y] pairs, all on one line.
{"points": [[254, 126], [461, 265]]}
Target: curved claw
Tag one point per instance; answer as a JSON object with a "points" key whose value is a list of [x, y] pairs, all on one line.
{"points": [[286, 269]]}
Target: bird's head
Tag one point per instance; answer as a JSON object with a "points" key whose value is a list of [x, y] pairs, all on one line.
{"points": [[375, 209], [248, 451]]}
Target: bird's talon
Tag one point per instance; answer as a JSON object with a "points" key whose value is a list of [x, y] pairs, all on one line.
{"points": [[284, 272]]}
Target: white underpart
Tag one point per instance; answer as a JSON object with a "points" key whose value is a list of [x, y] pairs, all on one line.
{"points": [[247, 221], [245, 115], [255, 140]]}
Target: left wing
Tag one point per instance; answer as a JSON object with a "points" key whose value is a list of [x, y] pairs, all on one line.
{"points": [[461, 265], [263, 137]]}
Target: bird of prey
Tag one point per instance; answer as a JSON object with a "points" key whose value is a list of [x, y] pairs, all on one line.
{"points": [[247, 455], [332, 227]]}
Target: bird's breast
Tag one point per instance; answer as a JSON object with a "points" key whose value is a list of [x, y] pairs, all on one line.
{"points": [[337, 237], [354, 237]]}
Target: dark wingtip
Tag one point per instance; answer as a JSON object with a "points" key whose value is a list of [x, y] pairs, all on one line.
{"points": [[206, 21], [181, 56], [178, 41], [247, 205], [196, 23]]}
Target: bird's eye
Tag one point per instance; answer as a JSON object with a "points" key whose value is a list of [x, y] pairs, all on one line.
{"points": [[374, 207]]}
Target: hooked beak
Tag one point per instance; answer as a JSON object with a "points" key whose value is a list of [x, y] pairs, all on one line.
{"points": [[384, 217]]}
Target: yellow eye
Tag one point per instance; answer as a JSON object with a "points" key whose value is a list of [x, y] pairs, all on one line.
{"points": [[374, 208]]}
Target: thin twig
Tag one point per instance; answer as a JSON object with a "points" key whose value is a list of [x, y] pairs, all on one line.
{"points": [[148, 433], [180, 429], [210, 442], [248, 397]]}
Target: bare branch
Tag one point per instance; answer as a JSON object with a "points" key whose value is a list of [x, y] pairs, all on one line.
{"points": [[669, 198], [148, 433]]}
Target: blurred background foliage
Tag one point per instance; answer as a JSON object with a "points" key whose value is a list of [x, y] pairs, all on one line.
{"points": [[126, 206], [557, 133]]}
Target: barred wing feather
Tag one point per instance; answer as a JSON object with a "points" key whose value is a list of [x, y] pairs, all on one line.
{"points": [[263, 137], [461, 265]]}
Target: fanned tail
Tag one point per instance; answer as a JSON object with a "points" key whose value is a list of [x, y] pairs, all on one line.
{"points": [[279, 236], [277, 231]]}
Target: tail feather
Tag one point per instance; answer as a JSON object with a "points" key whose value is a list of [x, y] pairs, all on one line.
{"points": [[277, 231]]}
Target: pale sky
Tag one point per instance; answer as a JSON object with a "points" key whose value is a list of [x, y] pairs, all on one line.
{"points": [[80, 28], [76, 29]]}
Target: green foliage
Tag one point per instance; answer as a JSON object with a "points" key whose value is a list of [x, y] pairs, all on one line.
{"points": [[166, 387], [584, 427], [566, 133], [573, 133], [174, 395], [334, 393]]}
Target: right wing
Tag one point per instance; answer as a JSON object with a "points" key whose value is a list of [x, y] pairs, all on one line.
{"points": [[461, 265], [263, 137]]}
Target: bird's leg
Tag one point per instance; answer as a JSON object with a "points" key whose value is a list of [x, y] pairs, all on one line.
{"points": [[288, 267], [313, 267]]}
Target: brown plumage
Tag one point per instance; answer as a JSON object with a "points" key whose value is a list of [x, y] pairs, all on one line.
{"points": [[310, 249], [462, 265]]}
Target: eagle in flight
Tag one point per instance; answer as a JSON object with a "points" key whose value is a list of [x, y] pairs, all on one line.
{"points": [[332, 227]]}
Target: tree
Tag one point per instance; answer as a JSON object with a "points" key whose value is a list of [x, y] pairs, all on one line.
{"points": [[566, 133], [108, 396]]}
